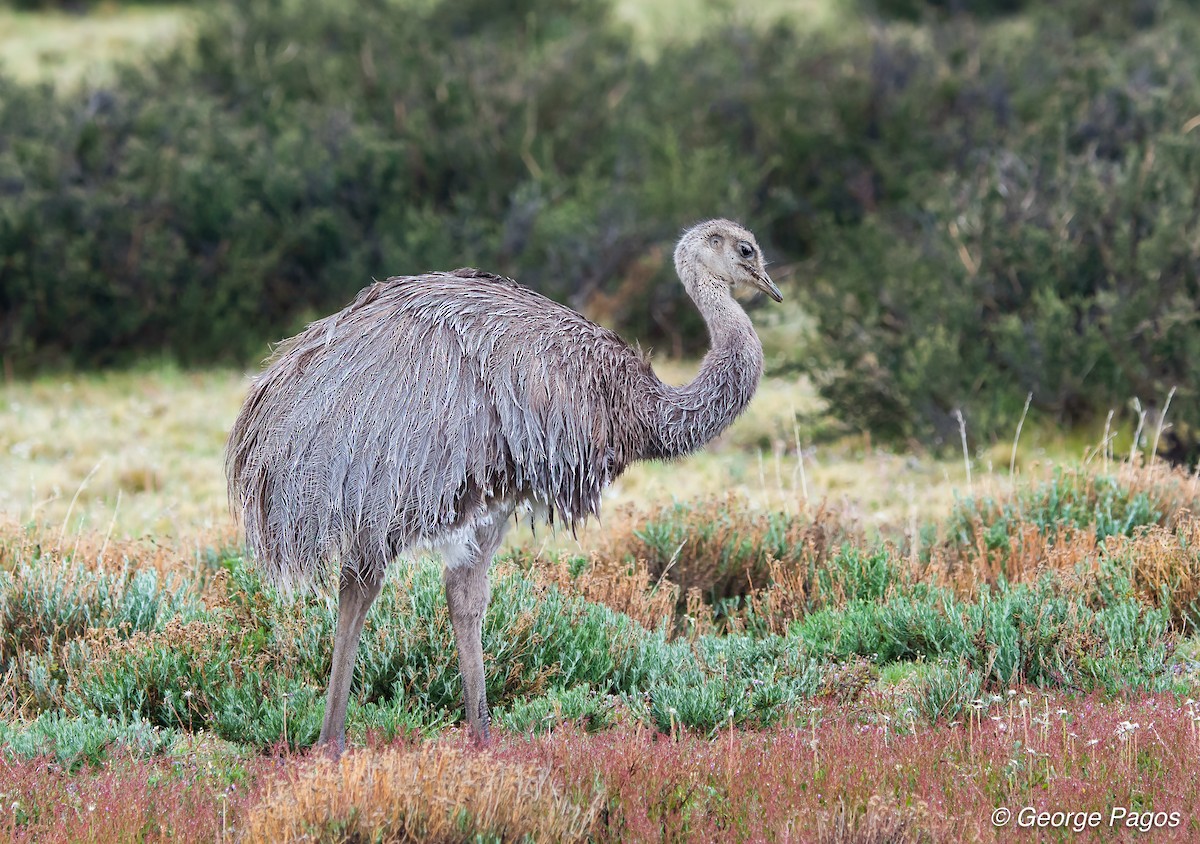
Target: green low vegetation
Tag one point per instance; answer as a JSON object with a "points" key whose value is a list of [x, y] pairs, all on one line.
{"points": [[93, 659], [1020, 642]]}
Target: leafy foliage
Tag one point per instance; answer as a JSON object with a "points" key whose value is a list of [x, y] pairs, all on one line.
{"points": [[1045, 253], [96, 657], [86, 739]]}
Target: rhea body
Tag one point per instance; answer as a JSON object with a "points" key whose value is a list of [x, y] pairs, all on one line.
{"points": [[426, 412]]}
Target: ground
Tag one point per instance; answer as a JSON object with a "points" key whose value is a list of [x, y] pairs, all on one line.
{"points": [[904, 650]]}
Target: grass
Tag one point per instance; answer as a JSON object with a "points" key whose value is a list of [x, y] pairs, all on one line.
{"points": [[70, 50], [435, 792], [709, 669], [834, 778], [687, 19], [141, 452]]}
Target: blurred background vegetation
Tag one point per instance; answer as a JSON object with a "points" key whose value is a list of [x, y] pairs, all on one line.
{"points": [[969, 202]]}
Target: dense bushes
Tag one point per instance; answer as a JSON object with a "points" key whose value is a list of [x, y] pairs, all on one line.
{"points": [[982, 209], [1053, 258], [316, 146]]}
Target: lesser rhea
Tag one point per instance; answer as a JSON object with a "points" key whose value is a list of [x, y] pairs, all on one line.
{"points": [[428, 410]]}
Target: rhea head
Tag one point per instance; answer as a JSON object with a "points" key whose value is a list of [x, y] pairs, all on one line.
{"points": [[721, 252]]}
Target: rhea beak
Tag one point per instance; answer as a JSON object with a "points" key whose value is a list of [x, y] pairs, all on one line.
{"points": [[763, 282]]}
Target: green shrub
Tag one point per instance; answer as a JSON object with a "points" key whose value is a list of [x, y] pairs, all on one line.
{"points": [[1033, 634], [534, 639], [128, 658], [540, 714], [80, 6], [1070, 501], [254, 669], [46, 602], [87, 739], [49, 604], [401, 138], [716, 681], [1052, 259], [905, 627], [286, 710], [945, 691]]}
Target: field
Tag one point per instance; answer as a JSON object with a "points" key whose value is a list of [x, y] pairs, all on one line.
{"points": [[796, 635], [864, 651], [82, 49], [70, 49], [140, 453]]}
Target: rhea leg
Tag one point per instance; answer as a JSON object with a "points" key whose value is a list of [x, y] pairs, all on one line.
{"points": [[354, 599], [467, 593]]}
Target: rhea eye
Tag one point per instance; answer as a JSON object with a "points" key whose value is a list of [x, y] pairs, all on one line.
{"points": [[746, 249]]}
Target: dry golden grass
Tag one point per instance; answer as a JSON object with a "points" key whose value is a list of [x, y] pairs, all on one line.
{"points": [[88, 550], [773, 563], [625, 587], [1174, 490], [433, 793], [1164, 565], [1160, 552], [883, 822], [141, 453], [784, 599], [1027, 553], [69, 49], [717, 546], [721, 545]]}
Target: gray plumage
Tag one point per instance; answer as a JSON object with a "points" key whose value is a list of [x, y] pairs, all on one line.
{"points": [[432, 407]]}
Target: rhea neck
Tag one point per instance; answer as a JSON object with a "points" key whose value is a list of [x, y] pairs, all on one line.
{"points": [[685, 418]]}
